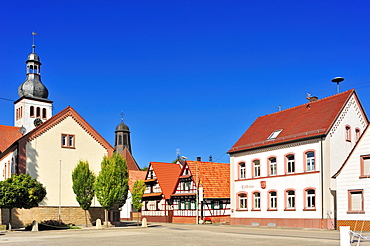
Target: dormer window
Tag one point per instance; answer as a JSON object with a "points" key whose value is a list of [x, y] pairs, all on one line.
{"points": [[274, 134]]}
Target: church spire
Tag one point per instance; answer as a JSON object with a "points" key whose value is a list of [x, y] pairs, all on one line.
{"points": [[33, 106], [33, 87], [122, 137]]}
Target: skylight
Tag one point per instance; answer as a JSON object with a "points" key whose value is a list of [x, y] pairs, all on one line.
{"points": [[274, 134]]}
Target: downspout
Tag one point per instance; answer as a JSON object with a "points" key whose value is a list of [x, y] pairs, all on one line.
{"points": [[322, 183]]}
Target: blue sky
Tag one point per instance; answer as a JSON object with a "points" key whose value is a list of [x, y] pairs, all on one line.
{"points": [[189, 75]]}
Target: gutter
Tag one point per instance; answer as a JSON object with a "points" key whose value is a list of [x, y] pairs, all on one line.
{"points": [[322, 180], [275, 144]]}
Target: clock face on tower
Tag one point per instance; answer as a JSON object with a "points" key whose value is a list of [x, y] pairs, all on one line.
{"points": [[37, 122]]}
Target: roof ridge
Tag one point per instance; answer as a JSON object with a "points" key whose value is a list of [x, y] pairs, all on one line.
{"points": [[319, 100]]}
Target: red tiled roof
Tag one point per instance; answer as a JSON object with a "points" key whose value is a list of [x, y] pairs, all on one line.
{"points": [[307, 120], [131, 163], [167, 175], [8, 135], [135, 175], [215, 178]]}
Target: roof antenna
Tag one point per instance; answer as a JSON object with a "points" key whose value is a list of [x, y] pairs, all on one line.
{"points": [[279, 107], [178, 154], [337, 80]]}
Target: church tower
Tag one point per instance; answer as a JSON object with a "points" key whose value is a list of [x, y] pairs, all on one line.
{"points": [[122, 140], [33, 106]]}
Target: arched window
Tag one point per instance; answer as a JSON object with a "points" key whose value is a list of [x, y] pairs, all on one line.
{"points": [[32, 111], [242, 170], [272, 200], [290, 164], [290, 195], [38, 112], [243, 199], [310, 198], [358, 134], [44, 113], [310, 161], [256, 200], [348, 133], [272, 161], [256, 168]]}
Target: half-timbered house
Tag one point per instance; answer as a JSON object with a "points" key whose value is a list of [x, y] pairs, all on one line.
{"points": [[202, 192], [160, 181]]}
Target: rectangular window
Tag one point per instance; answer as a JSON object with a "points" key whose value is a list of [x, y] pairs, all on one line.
{"points": [[356, 203], [257, 200], [310, 196], [274, 134], [310, 161], [242, 170], [257, 168], [242, 201], [68, 141], [290, 164], [290, 199], [273, 200], [365, 165], [272, 166]]}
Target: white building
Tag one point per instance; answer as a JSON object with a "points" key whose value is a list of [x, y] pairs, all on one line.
{"points": [[281, 167], [353, 187]]}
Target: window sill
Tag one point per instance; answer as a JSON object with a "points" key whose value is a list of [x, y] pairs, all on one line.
{"points": [[256, 209], [364, 176], [272, 209], [355, 212], [242, 209], [309, 209], [66, 147], [289, 209]]}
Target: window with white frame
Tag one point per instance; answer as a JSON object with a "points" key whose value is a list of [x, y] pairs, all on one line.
{"points": [[290, 164], [355, 203], [257, 168], [272, 166], [290, 199], [310, 161], [243, 201], [68, 141], [273, 200], [257, 200], [310, 198], [348, 133], [358, 134], [242, 170], [365, 165], [274, 134]]}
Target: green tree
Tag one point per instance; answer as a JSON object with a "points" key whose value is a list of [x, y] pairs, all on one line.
{"points": [[83, 185], [112, 182], [21, 191], [137, 194]]}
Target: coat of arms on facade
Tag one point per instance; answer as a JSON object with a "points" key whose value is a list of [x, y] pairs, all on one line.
{"points": [[263, 184]]}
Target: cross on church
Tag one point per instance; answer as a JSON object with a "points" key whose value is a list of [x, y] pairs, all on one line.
{"points": [[122, 114]]}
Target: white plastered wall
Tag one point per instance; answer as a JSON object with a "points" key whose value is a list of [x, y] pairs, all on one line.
{"points": [[52, 165]]}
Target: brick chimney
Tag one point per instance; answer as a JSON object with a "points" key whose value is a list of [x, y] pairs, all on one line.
{"points": [[199, 158]]}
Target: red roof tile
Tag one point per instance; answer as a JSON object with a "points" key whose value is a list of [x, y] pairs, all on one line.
{"points": [[167, 175], [131, 163], [215, 178], [135, 175], [307, 120], [8, 135]]}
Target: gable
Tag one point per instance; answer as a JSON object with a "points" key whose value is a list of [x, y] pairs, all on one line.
{"points": [[167, 175], [309, 120]]}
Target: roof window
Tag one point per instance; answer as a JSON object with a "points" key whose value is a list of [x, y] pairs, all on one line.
{"points": [[274, 134]]}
